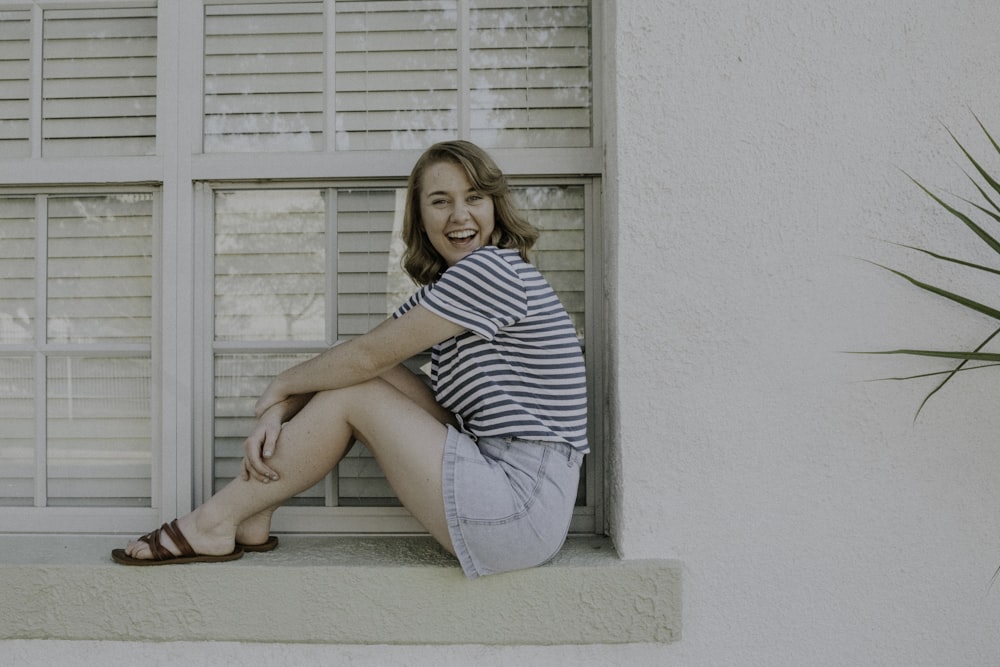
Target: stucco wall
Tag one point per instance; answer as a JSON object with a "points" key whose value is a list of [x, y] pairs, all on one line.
{"points": [[759, 148]]}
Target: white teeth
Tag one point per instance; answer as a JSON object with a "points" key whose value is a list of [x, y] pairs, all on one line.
{"points": [[464, 234]]}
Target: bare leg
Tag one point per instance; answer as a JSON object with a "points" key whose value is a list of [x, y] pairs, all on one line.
{"points": [[407, 441]]}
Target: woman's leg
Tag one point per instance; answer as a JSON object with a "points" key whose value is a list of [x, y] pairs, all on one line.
{"points": [[407, 442]]}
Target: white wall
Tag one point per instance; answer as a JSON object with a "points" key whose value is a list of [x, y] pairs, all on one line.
{"points": [[758, 151]]}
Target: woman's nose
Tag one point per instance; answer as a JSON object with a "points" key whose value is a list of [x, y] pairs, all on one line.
{"points": [[460, 212]]}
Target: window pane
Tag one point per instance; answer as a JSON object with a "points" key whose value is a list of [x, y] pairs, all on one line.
{"points": [[264, 77], [368, 259], [99, 82], [397, 74], [17, 430], [530, 74], [17, 269], [100, 425], [558, 211], [270, 265], [100, 268], [15, 83]]}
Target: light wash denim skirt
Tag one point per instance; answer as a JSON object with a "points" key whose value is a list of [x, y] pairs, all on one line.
{"points": [[508, 501]]}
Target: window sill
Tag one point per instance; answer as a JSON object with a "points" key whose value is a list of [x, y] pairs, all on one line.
{"points": [[354, 590]]}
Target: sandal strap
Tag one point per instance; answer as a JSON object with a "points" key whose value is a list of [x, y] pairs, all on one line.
{"points": [[175, 534], [159, 551]]}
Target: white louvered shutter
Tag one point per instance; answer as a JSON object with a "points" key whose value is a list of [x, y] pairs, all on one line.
{"points": [[99, 82], [396, 74], [264, 77], [15, 84], [530, 74]]}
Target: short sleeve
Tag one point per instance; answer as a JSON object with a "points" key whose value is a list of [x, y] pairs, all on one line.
{"points": [[409, 304], [482, 293]]}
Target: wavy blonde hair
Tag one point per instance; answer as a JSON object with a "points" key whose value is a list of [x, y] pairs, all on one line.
{"points": [[511, 230]]}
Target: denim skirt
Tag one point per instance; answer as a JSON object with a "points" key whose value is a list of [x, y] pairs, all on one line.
{"points": [[508, 501]]}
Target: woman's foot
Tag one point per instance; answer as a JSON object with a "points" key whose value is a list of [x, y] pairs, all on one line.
{"points": [[204, 536]]}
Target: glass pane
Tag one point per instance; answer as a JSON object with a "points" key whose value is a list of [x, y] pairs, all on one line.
{"points": [[99, 82], [558, 211], [264, 77], [99, 431], [530, 74], [368, 259], [270, 265], [15, 83], [100, 268], [17, 430], [17, 269], [396, 74]]}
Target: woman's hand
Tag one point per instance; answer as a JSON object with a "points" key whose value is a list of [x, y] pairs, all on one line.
{"points": [[259, 446], [272, 396]]}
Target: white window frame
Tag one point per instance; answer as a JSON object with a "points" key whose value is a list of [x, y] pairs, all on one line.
{"points": [[183, 176]]}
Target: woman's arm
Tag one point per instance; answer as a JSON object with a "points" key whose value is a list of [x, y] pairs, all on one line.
{"points": [[363, 358], [411, 384]]}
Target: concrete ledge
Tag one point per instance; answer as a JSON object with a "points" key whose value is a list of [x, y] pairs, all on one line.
{"points": [[352, 590]]}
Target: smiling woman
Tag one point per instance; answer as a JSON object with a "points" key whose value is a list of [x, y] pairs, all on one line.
{"points": [[488, 458]]}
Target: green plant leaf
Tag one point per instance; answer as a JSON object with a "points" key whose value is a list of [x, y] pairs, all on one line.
{"points": [[968, 303], [982, 172], [979, 231], [942, 354], [945, 258], [926, 375]]}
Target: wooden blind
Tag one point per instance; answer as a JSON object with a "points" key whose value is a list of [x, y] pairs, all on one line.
{"points": [[404, 74], [99, 431], [530, 74], [396, 74], [100, 281], [270, 265], [99, 82], [18, 231], [15, 84], [264, 77]]}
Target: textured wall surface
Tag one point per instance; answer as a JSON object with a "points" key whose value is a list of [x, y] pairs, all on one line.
{"points": [[759, 152]]}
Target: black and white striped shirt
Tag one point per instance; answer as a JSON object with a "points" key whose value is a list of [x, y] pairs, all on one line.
{"points": [[518, 369]]}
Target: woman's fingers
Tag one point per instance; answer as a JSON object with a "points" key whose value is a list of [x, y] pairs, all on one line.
{"points": [[257, 447]]}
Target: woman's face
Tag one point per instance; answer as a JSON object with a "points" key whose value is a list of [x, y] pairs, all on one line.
{"points": [[456, 218]]}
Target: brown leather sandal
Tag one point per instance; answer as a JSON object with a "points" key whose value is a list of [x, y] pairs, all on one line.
{"points": [[269, 545], [163, 556]]}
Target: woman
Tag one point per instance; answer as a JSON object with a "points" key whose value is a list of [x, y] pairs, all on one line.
{"points": [[488, 460]]}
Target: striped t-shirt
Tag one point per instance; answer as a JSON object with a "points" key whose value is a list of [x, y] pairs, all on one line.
{"points": [[517, 370]]}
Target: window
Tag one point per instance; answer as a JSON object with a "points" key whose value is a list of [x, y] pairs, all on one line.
{"points": [[76, 317], [190, 202]]}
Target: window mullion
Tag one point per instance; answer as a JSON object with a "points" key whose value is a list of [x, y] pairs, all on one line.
{"points": [[331, 485], [464, 89], [330, 102], [41, 363]]}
